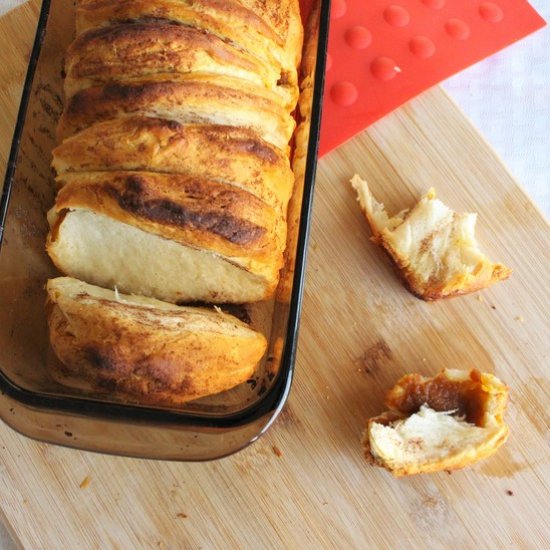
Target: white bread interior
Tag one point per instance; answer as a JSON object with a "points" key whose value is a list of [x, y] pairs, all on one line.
{"points": [[429, 437], [98, 249]]}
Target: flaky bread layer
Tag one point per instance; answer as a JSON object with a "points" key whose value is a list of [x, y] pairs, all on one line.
{"points": [[194, 98], [120, 52], [190, 210], [222, 153]]}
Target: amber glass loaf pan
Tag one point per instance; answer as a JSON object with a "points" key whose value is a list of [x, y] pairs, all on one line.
{"points": [[33, 400]]}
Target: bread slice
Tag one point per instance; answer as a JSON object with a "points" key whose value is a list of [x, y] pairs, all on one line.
{"points": [[261, 30], [191, 210], [145, 350], [446, 422], [168, 236], [120, 52], [221, 153], [433, 248], [189, 98]]}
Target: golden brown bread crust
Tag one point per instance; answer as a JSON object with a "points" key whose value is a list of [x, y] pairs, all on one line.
{"points": [[144, 350], [219, 100], [190, 210], [258, 26], [224, 153], [94, 13], [470, 394], [479, 399], [228, 20], [120, 52], [284, 17]]}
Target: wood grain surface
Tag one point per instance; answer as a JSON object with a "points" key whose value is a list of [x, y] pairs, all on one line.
{"points": [[306, 482]]}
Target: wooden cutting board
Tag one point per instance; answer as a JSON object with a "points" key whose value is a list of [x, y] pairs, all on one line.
{"points": [[306, 482]]}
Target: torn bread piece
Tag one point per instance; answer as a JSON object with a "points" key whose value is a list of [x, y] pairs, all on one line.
{"points": [[446, 422], [141, 349], [433, 248]]}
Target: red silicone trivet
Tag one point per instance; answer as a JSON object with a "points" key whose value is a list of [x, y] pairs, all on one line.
{"points": [[384, 53]]}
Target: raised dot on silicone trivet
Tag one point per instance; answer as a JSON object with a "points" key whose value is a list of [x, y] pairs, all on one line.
{"points": [[434, 4], [358, 37], [384, 68], [491, 12], [344, 94], [328, 63], [422, 46], [397, 16], [338, 8], [457, 28]]}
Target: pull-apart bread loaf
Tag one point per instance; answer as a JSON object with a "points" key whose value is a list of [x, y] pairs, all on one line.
{"points": [[173, 170]]}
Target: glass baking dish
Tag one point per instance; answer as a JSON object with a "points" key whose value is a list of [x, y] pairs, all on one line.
{"points": [[32, 399]]}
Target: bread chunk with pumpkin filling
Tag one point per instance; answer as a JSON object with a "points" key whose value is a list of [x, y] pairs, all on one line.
{"points": [[446, 422], [141, 349], [433, 248]]}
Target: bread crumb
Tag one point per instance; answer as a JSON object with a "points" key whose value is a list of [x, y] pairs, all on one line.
{"points": [[376, 356], [181, 515], [277, 451], [480, 298], [519, 318], [509, 493], [314, 246], [85, 482]]}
